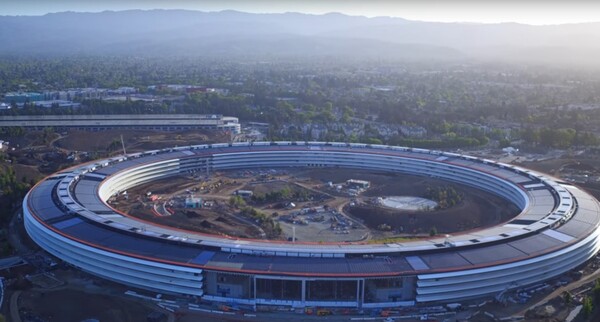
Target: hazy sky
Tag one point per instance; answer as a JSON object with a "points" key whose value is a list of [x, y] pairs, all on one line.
{"points": [[487, 11]]}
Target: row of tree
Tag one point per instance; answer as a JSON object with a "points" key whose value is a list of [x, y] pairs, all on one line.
{"points": [[271, 227], [283, 194], [558, 137], [11, 193], [445, 196], [266, 222]]}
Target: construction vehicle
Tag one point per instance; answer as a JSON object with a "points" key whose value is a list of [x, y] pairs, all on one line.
{"points": [[323, 312]]}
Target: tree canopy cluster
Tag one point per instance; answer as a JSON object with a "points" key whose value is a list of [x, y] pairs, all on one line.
{"points": [[12, 191], [458, 106], [445, 196]]}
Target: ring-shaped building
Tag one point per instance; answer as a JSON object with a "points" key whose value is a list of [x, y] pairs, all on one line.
{"points": [[556, 230]]}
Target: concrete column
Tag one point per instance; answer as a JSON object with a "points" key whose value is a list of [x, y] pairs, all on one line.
{"points": [[254, 287], [250, 288], [254, 277], [362, 295], [357, 293], [303, 292]]}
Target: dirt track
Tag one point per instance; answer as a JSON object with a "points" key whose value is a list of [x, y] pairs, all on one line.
{"points": [[136, 141]]}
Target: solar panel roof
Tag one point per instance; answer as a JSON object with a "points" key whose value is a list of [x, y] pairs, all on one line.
{"points": [[542, 202]]}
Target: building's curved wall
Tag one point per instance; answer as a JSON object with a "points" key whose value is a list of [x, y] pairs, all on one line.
{"points": [[373, 162], [136, 272], [479, 282]]}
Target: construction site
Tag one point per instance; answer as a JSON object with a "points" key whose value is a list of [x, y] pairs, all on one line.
{"points": [[311, 205]]}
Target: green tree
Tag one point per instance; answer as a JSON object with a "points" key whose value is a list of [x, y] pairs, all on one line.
{"points": [[237, 201], [531, 136], [588, 307], [567, 297], [433, 231], [347, 114], [596, 290], [373, 141], [12, 192], [503, 143]]}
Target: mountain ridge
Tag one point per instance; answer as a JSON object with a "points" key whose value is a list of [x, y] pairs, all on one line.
{"points": [[121, 32]]}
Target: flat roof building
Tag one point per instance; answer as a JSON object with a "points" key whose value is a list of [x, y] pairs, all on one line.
{"points": [[362, 184], [22, 97], [57, 103], [160, 122], [193, 202]]}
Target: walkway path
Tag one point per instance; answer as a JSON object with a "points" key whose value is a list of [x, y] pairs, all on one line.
{"points": [[14, 307]]}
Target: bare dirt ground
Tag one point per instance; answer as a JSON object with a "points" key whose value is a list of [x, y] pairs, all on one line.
{"points": [[26, 173], [136, 141], [223, 219], [204, 221], [319, 213], [478, 209], [217, 219], [37, 154]]}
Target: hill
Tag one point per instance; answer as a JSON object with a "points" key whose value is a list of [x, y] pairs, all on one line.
{"points": [[238, 34]]}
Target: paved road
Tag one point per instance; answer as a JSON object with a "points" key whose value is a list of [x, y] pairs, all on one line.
{"points": [[559, 291], [14, 237], [14, 308]]}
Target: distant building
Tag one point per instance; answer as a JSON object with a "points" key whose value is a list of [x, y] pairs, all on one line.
{"points": [[22, 97], [510, 150], [57, 103], [413, 131], [182, 88], [199, 89], [123, 91], [231, 124], [193, 202], [244, 193], [76, 94], [358, 184], [132, 97], [158, 122], [258, 124]]}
